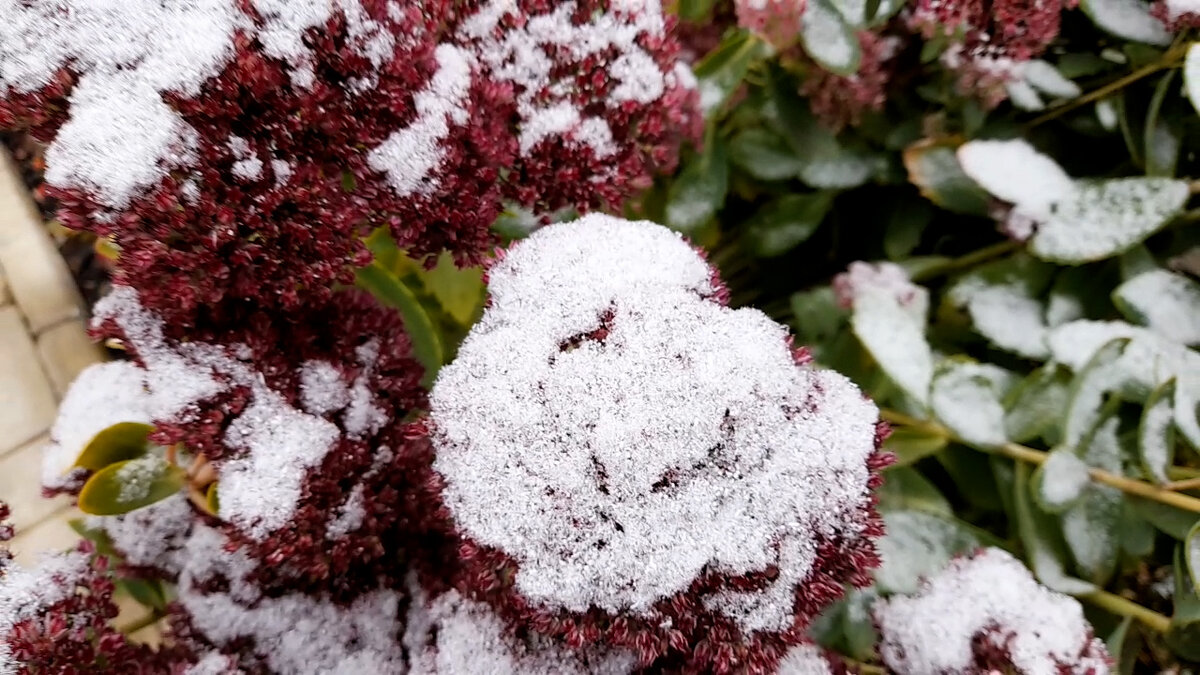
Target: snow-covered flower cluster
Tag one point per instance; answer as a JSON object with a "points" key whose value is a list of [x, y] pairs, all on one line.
{"points": [[628, 462], [240, 150], [985, 614], [842, 100], [779, 21]]}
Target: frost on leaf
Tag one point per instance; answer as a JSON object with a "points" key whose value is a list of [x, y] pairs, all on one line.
{"points": [[916, 545], [1063, 479], [1165, 302], [450, 634], [888, 317], [808, 659], [1004, 301], [967, 397], [1072, 221], [606, 398], [984, 614]]}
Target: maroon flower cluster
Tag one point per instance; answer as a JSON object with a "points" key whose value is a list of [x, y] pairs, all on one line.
{"points": [[839, 101], [779, 21]]}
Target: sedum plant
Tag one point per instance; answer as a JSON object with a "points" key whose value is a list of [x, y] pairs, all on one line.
{"points": [[391, 398]]}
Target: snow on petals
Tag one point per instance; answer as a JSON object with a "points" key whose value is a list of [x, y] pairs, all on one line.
{"points": [[986, 613], [572, 435]]}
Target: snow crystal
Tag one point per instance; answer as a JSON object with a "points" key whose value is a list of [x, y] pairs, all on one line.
{"points": [[616, 468], [1016, 172], [967, 398], [212, 663], [322, 389], [451, 634], [137, 477], [804, 659], [991, 597], [279, 444], [297, 633], [411, 155], [121, 136], [1008, 313], [522, 56], [248, 166], [1064, 476], [102, 395], [1155, 438], [349, 517], [153, 536], [1166, 302], [24, 592]]}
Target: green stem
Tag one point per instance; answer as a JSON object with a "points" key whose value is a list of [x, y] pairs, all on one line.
{"points": [[151, 618], [1038, 457], [969, 260], [1121, 607]]}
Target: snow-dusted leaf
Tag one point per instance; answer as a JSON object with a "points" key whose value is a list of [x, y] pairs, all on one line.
{"points": [[1089, 390], [1091, 527], [1156, 432], [1106, 217], [1034, 406], [764, 155], [1163, 136], [1061, 480], [1003, 299], [1184, 633], [120, 442], [1046, 78], [1167, 303], [1015, 172], [1128, 19], [1045, 550], [967, 397], [1171, 520], [897, 343], [721, 72], [1191, 555], [935, 170], [917, 545], [699, 190], [131, 484], [829, 39], [1191, 75], [1023, 96]]}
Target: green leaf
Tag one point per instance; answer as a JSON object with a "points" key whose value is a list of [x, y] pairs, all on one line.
{"points": [[764, 155], [905, 225], [1086, 404], [1060, 482], [699, 190], [147, 593], [933, 167], [1191, 75], [1044, 548], [1103, 218], [905, 489], [695, 10], [916, 545], [782, 224], [1163, 137], [912, 444], [1171, 520], [817, 316], [1166, 302], [896, 341], [121, 441], [1092, 526], [211, 500], [96, 535], [1128, 19], [349, 184], [858, 630], [829, 162], [828, 39], [1004, 301], [460, 292], [1184, 634], [1191, 556], [1137, 534], [1123, 646], [967, 397], [389, 290], [129, 485], [971, 473], [721, 72], [1035, 405], [1156, 432]]}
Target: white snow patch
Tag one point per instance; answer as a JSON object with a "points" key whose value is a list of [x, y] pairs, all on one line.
{"points": [[137, 477], [451, 634], [1155, 438], [102, 395], [411, 155], [991, 596], [804, 659], [616, 469], [1064, 477], [1168, 303], [349, 517], [967, 397], [322, 389], [24, 592], [153, 536], [1016, 172]]}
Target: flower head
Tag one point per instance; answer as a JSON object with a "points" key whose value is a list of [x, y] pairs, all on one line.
{"points": [[607, 397], [842, 100], [779, 21], [984, 614]]}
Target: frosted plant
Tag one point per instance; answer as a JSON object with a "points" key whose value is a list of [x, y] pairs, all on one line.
{"points": [[778, 20], [629, 461], [986, 613]]}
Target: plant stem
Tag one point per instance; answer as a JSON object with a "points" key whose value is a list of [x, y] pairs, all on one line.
{"points": [[1037, 457], [152, 617], [1123, 607], [969, 260], [1169, 60], [1186, 484]]}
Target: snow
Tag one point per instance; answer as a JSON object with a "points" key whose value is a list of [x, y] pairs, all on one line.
{"points": [[1046, 78], [450, 634], [1008, 312], [1155, 438], [1129, 19], [152, 536], [966, 397], [827, 39], [889, 320], [1191, 74], [295, 634], [322, 390], [137, 477], [1168, 303], [24, 592], [102, 395], [1064, 476], [1090, 525], [410, 156], [804, 659], [523, 55], [212, 663], [991, 597], [616, 469], [915, 546], [349, 517], [278, 443], [1016, 172]]}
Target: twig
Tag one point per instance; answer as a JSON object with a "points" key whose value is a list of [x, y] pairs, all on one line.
{"points": [[1037, 457], [1123, 607], [1169, 60], [969, 260], [1186, 484]]}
